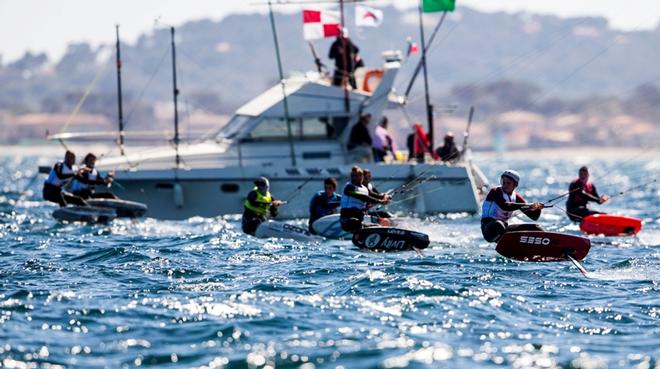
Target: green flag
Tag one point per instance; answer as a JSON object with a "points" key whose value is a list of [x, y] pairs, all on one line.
{"points": [[429, 6]]}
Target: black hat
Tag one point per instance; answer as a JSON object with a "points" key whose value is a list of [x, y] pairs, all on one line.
{"points": [[262, 181]]}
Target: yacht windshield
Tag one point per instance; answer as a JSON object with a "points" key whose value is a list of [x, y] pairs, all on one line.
{"points": [[233, 127], [308, 128]]}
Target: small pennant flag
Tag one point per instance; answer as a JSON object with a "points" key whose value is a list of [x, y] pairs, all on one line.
{"points": [[429, 6], [319, 24], [412, 47], [368, 17]]}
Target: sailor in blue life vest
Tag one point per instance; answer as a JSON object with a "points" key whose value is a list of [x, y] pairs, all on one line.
{"points": [[60, 175], [500, 205], [581, 192], [324, 202], [259, 206], [355, 200], [84, 185]]}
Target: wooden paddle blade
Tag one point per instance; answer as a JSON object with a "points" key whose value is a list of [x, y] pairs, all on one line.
{"points": [[610, 225], [542, 246]]}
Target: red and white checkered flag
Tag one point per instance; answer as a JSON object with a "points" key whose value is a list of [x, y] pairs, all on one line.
{"points": [[320, 23]]}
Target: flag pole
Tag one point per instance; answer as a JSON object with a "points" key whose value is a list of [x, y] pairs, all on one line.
{"points": [[119, 100], [347, 74], [418, 67], [175, 90], [429, 107], [282, 83]]}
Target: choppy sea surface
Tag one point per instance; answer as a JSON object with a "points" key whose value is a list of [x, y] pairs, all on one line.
{"points": [[200, 294]]}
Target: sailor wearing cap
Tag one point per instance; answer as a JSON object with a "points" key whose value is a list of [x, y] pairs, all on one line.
{"points": [[500, 205], [259, 205]]}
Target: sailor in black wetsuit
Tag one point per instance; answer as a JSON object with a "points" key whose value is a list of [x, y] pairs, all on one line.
{"points": [[368, 183], [355, 200], [501, 203], [581, 192], [259, 205], [372, 188], [60, 175], [324, 202], [84, 185]]}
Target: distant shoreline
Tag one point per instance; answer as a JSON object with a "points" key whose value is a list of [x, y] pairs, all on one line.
{"points": [[575, 152]]}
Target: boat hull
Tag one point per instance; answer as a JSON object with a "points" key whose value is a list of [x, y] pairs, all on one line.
{"points": [[181, 194]]}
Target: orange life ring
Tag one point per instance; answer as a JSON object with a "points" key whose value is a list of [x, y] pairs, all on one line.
{"points": [[378, 73]]}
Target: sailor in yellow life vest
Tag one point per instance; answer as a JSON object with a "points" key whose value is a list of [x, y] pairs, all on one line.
{"points": [[259, 206]]}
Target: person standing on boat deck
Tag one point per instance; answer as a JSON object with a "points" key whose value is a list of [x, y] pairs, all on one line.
{"points": [[355, 199], [259, 206], [581, 192], [418, 144], [347, 59], [359, 141], [500, 205], [383, 142], [60, 175], [448, 151], [84, 185], [324, 202]]}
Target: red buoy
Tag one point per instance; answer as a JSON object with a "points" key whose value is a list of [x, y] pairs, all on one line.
{"points": [[542, 246], [610, 225]]}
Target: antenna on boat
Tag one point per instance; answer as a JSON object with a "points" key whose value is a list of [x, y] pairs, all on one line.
{"points": [[347, 74], [282, 83], [119, 100], [176, 95], [419, 64], [429, 107]]}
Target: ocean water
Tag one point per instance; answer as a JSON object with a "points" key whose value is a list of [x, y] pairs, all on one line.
{"points": [[199, 294]]}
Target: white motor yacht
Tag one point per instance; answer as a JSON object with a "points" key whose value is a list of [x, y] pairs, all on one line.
{"points": [[212, 177]]}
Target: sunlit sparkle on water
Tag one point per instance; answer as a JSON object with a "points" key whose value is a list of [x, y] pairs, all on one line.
{"points": [[199, 294]]}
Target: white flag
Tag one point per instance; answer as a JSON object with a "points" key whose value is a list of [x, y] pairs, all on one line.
{"points": [[368, 17]]}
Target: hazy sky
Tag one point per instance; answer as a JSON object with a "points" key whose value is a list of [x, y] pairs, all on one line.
{"points": [[48, 25]]}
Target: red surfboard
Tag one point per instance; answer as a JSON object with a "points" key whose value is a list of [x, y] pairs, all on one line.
{"points": [[610, 225], [542, 246]]}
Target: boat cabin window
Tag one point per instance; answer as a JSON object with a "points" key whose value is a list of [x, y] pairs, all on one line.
{"points": [[309, 128], [273, 128], [233, 127]]}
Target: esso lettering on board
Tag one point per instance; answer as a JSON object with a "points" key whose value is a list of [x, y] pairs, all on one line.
{"points": [[531, 240]]}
